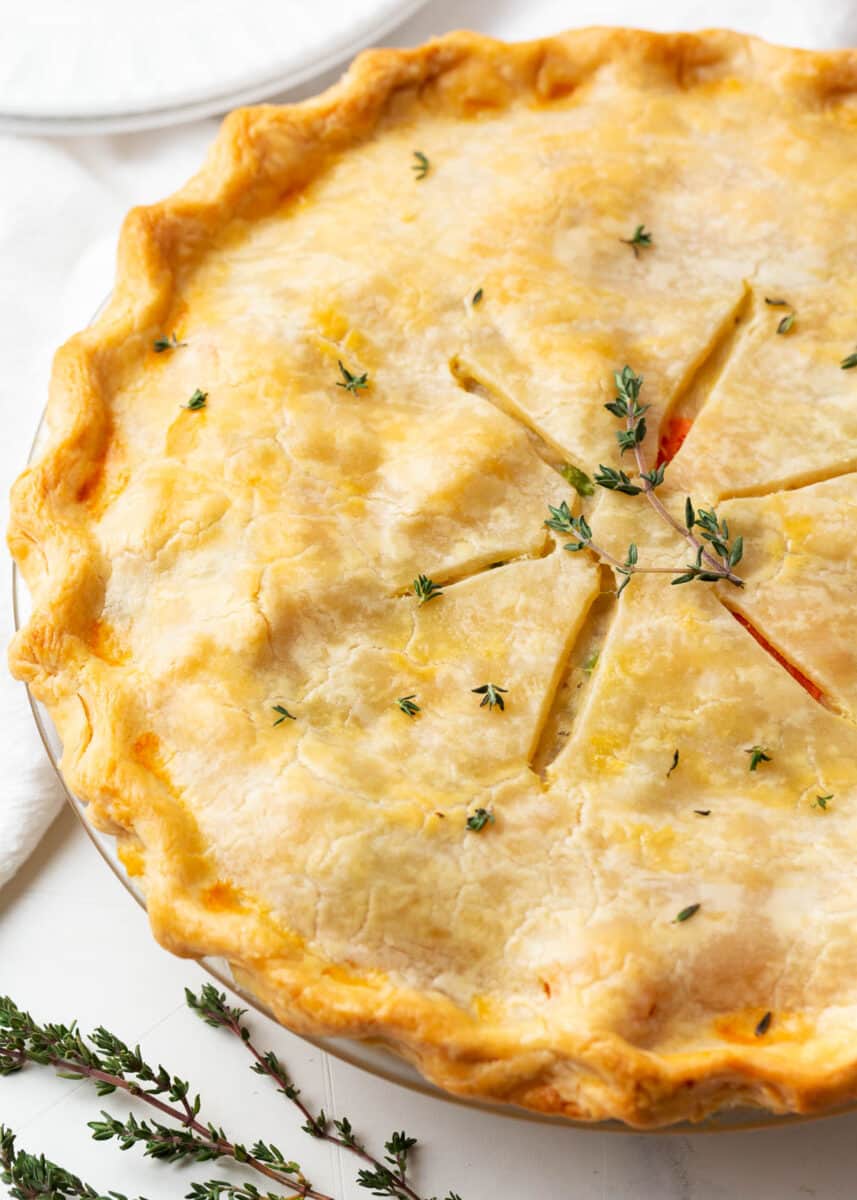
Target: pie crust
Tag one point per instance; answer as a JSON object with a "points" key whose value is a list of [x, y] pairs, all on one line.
{"points": [[191, 569]]}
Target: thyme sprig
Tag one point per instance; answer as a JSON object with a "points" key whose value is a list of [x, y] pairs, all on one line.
{"points": [[408, 705], [387, 1177], [29, 1176], [491, 695], [714, 556], [562, 521], [350, 382], [420, 166], [426, 589], [758, 754], [199, 399], [640, 240], [478, 819], [178, 1132], [111, 1065]]}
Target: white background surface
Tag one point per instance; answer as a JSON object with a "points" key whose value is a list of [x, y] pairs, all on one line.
{"points": [[72, 943]]}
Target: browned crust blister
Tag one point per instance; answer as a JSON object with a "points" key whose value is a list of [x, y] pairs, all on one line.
{"points": [[260, 156]]}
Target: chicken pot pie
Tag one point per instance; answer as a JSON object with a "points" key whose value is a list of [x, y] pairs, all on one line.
{"points": [[326, 544]]}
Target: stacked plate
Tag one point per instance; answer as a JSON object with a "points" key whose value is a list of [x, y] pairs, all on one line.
{"points": [[100, 67]]}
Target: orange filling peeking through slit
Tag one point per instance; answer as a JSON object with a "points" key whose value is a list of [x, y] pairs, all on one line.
{"points": [[807, 684], [675, 431]]}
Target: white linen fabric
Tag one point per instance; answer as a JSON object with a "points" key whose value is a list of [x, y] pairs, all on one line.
{"points": [[61, 203]]}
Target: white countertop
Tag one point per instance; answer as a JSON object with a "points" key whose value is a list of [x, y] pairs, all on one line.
{"points": [[74, 944]]}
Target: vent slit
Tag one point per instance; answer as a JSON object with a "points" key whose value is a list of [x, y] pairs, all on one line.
{"points": [[701, 378], [809, 685], [574, 673]]}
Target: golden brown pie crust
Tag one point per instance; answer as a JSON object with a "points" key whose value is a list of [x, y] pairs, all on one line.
{"points": [[192, 569]]}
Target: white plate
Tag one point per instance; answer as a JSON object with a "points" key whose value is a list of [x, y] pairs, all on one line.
{"points": [[104, 66]]}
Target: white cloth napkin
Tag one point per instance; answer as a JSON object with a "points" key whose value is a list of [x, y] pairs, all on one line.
{"points": [[60, 207]]}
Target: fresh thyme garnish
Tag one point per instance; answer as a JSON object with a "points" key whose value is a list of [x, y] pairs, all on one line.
{"points": [[351, 383], [616, 481], [715, 558], [686, 913], [285, 715], [477, 296], [162, 343], [178, 1133], [479, 819], [406, 704], [758, 754], [786, 323], [426, 589], [578, 479], [421, 167], [850, 362], [641, 239], [822, 801], [764, 1025], [776, 303], [702, 812], [197, 400], [490, 694], [30, 1176], [674, 763]]}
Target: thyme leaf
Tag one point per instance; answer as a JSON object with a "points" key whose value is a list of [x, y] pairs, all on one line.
{"points": [[686, 914], [764, 1025], [162, 343], [479, 819], [351, 383], [758, 754], [426, 589], [197, 400], [285, 715], [491, 695], [641, 239], [421, 165], [407, 705], [616, 481]]}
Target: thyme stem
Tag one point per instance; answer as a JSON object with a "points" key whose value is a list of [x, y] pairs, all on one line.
{"points": [[184, 1116], [216, 1012], [716, 563]]}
